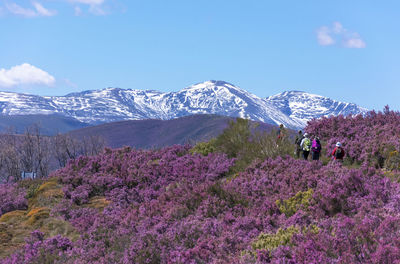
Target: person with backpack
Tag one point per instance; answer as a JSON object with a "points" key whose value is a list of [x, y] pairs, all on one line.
{"points": [[315, 148], [305, 146], [338, 152], [297, 143], [281, 134]]}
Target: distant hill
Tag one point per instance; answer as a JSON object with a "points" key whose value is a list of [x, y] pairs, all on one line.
{"points": [[153, 133], [49, 124]]}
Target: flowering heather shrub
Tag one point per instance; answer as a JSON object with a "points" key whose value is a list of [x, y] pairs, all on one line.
{"points": [[361, 197], [12, 198], [366, 139], [171, 206], [38, 250], [138, 176]]}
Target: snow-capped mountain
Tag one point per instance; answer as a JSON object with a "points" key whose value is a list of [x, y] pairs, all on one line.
{"points": [[302, 107], [293, 109]]}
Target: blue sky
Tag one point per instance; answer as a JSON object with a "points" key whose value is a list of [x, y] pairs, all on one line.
{"points": [[346, 50]]}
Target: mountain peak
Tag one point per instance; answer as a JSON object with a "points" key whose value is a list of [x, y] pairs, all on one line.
{"points": [[211, 84], [221, 83]]}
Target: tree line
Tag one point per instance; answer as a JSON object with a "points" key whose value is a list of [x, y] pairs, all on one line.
{"points": [[40, 154]]}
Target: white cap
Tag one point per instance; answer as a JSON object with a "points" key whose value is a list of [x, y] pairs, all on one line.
{"points": [[306, 134], [338, 144]]}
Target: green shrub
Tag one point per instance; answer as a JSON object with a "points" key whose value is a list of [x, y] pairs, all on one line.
{"points": [[313, 229], [204, 148], [300, 201], [282, 237], [235, 138], [243, 141], [393, 161]]}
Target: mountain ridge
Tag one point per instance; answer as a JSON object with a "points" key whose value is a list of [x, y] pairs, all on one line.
{"points": [[291, 108]]}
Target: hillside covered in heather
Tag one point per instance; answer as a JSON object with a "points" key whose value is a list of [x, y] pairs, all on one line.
{"points": [[238, 198]]}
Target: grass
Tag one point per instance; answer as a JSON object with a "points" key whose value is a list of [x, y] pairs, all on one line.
{"points": [[42, 195], [15, 226]]}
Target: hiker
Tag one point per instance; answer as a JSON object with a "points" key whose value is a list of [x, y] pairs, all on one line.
{"points": [[315, 148], [281, 132], [338, 152], [297, 143], [305, 146], [281, 135]]}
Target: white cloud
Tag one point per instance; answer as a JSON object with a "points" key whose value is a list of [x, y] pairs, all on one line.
{"points": [[324, 36], [25, 74], [338, 28], [355, 42], [95, 7], [40, 10], [338, 34], [43, 11], [77, 11], [19, 10]]}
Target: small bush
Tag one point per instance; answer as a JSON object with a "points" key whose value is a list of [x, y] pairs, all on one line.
{"points": [[300, 201], [243, 141], [282, 237], [204, 148], [393, 161]]}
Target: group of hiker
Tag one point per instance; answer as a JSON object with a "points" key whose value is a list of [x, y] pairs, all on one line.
{"points": [[306, 145]]}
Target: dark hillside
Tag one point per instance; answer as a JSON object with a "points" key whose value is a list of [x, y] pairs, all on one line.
{"points": [[49, 124], [159, 133]]}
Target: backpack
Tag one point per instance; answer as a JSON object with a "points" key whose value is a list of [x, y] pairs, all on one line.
{"points": [[307, 144], [298, 140], [339, 153], [316, 146]]}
